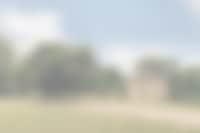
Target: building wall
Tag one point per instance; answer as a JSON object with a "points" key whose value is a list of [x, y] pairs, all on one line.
{"points": [[148, 89]]}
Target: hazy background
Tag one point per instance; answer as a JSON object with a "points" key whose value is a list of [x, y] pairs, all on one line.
{"points": [[100, 66]]}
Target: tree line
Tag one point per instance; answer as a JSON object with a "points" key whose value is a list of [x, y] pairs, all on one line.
{"points": [[54, 70]]}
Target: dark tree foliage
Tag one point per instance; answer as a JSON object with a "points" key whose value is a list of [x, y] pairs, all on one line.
{"points": [[6, 67], [59, 70]]}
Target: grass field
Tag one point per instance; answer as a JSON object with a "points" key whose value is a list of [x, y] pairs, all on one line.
{"points": [[31, 118]]}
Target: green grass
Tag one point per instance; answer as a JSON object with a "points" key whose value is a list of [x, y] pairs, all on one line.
{"points": [[28, 119]]}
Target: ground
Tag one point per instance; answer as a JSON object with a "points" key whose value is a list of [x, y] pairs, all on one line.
{"points": [[90, 117]]}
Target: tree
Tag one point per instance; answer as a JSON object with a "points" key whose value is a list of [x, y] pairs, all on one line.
{"points": [[110, 82], [6, 67], [186, 85], [162, 67], [55, 70]]}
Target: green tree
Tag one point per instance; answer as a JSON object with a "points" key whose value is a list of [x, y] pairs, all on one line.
{"points": [[6, 67], [110, 82], [186, 85], [162, 67], [56, 70]]}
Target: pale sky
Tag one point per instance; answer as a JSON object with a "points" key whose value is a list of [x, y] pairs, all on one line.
{"points": [[25, 29]]}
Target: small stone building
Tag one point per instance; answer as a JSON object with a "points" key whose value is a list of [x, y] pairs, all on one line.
{"points": [[151, 89]]}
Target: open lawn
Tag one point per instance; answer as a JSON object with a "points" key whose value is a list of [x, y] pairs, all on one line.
{"points": [[40, 118]]}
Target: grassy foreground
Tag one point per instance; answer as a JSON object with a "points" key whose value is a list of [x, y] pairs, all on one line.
{"points": [[31, 118]]}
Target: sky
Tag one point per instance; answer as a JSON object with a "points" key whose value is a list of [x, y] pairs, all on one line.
{"points": [[120, 30]]}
